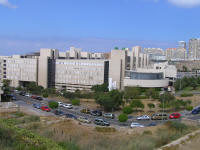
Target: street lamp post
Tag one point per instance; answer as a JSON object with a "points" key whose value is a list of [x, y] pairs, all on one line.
{"points": [[163, 99]]}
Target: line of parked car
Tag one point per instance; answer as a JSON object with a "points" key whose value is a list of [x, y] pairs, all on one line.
{"points": [[159, 116]]}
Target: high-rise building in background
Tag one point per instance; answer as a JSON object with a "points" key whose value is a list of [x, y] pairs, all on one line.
{"points": [[155, 54], [194, 49], [176, 54], [182, 44]]}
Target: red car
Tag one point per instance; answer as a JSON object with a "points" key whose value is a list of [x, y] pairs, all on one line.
{"points": [[174, 116], [33, 96], [45, 108]]}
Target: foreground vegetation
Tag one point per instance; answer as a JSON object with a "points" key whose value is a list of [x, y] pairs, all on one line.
{"points": [[22, 132]]}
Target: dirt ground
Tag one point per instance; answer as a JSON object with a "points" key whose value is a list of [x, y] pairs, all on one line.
{"points": [[194, 144]]}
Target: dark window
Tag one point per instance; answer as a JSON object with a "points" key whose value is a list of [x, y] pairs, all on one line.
{"points": [[146, 76]]}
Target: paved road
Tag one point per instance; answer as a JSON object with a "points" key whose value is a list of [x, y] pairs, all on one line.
{"points": [[27, 102]]}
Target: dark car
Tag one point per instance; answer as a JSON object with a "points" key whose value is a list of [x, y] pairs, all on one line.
{"points": [[22, 93], [70, 116], [59, 112], [152, 124], [39, 98], [101, 122], [96, 113], [85, 111], [196, 111], [38, 106], [14, 98]]}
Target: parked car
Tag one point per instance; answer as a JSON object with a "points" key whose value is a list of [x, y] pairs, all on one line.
{"points": [[45, 108], [68, 106], [96, 113], [152, 124], [109, 115], [22, 93], [70, 116], [136, 125], [143, 117], [60, 104], [33, 96], [174, 116], [101, 122], [39, 98], [83, 119], [14, 98], [28, 95], [196, 110], [85, 110], [37, 106], [58, 112], [161, 116]]}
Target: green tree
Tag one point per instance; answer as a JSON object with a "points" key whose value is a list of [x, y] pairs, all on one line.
{"points": [[127, 110], [185, 69], [34, 88], [116, 47], [151, 105], [137, 104], [152, 93], [111, 100], [167, 97], [193, 83], [100, 88], [131, 93], [122, 117], [76, 102], [45, 95], [53, 104]]}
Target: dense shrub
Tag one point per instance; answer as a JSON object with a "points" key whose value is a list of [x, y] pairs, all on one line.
{"points": [[75, 102], [127, 110], [45, 95], [123, 118], [186, 94], [189, 108], [53, 104]]}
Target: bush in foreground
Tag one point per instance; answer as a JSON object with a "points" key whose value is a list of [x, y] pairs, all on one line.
{"points": [[186, 95], [76, 102], [123, 118], [53, 104], [127, 110]]}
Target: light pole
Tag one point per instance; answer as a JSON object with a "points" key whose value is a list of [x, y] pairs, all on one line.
{"points": [[163, 100]]}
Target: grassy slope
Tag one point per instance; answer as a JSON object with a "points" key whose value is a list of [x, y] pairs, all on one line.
{"points": [[12, 137]]}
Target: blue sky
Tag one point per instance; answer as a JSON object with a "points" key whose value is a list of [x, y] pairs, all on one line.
{"points": [[95, 25]]}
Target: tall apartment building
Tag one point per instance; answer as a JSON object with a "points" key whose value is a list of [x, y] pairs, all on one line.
{"points": [[176, 54], [155, 54], [194, 49], [182, 44]]}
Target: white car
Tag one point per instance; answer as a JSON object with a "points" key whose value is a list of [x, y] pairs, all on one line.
{"points": [[28, 95], [144, 117], [136, 125], [68, 106], [60, 104]]}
